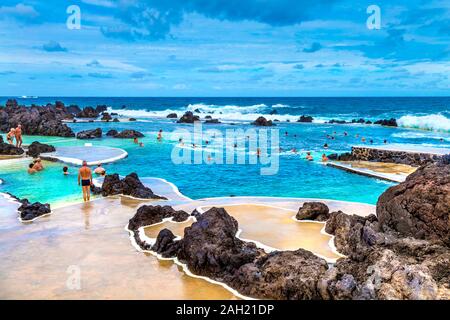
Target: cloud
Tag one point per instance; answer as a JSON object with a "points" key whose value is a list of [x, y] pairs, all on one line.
{"points": [[94, 63], [315, 46], [100, 3], [20, 12], [140, 75], [153, 19], [6, 73], [53, 46], [100, 75]]}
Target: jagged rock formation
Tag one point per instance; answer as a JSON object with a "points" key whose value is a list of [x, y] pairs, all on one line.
{"points": [[35, 120], [304, 118], [128, 134], [313, 211], [188, 117], [263, 122], [130, 186], [36, 148], [29, 211], [88, 112], [90, 134]]}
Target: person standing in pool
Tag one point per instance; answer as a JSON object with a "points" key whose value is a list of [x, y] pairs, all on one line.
{"points": [[85, 179], [160, 135], [18, 134]]}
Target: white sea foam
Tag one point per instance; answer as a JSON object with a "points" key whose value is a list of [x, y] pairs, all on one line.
{"points": [[432, 122]]}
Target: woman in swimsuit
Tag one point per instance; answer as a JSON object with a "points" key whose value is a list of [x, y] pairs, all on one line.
{"points": [[10, 136]]}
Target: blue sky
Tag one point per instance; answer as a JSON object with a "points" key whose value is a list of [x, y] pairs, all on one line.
{"points": [[224, 48]]}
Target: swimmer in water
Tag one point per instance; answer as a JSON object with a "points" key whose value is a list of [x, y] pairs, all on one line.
{"points": [[135, 140], [160, 135], [31, 169], [309, 156], [293, 150], [324, 158], [363, 139], [345, 134], [180, 141], [258, 152], [325, 146]]}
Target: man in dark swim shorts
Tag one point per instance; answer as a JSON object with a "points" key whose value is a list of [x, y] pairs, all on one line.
{"points": [[85, 179]]}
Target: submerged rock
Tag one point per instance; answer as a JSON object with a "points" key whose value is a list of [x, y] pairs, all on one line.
{"points": [[90, 134], [172, 116], [313, 211], [263, 122], [130, 186], [188, 117], [420, 206], [29, 211], [36, 148], [111, 133], [129, 134]]}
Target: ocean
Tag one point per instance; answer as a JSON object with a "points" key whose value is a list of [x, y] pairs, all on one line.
{"points": [[423, 121]]}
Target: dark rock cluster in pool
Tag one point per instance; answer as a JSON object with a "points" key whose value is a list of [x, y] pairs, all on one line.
{"points": [[313, 211], [128, 134], [402, 254], [29, 211], [130, 186], [36, 148], [35, 120], [90, 134]]}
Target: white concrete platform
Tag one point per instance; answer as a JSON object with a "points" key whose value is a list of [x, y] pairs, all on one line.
{"points": [[93, 155], [410, 148], [392, 177]]}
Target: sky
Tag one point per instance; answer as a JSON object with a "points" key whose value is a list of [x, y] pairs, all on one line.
{"points": [[224, 48]]}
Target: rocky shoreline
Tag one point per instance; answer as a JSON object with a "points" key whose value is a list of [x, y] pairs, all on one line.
{"points": [[402, 253]]}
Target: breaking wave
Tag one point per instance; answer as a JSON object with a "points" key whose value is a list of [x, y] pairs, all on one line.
{"points": [[432, 122]]}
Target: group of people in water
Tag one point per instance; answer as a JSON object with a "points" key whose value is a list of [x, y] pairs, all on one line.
{"points": [[15, 133]]}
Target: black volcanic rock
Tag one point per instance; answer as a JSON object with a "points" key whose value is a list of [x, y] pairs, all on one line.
{"points": [[188, 117], [313, 211], [387, 122], [347, 156], [212, 121], [88, 112], [73, 109], [165, 244], [29, 211], [111, 133], [45, 121], [106, 116], [10, 150], [101, 108], [210, 247], [90, 134], [36, 148], [263, 122], [129, 134], [130, 186], [172, 116], [420, 206], [148, 215], [305, 119]]}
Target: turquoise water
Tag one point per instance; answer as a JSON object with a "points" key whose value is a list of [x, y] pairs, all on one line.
{"points": [[296, 177]]}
